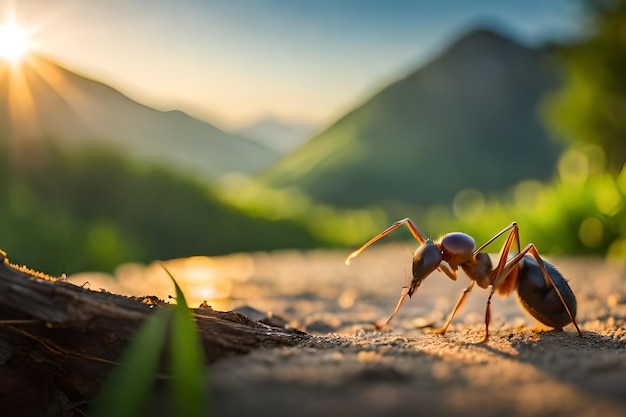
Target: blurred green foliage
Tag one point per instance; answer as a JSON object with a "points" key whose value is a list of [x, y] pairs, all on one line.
{"points": [[580, 212], [591, 108], [92, 209]]}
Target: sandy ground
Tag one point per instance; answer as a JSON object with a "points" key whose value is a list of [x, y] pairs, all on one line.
{"points": [[350, 368]]}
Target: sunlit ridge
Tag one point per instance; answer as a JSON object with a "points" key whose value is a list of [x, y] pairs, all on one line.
{"points": [[28, 88]]}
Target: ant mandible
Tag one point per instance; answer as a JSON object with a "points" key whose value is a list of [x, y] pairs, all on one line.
{"points": [[541, 289]]}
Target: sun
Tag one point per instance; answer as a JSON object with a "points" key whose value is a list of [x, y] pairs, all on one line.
{"points": [[15, 41]]}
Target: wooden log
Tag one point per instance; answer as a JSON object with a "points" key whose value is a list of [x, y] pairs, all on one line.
{"points": [[59, 341]]}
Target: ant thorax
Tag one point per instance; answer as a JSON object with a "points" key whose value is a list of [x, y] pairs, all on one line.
{"points": [[479, 269]]}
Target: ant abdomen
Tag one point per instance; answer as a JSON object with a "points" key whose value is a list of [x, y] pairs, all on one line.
{"points": [[541, 300]]}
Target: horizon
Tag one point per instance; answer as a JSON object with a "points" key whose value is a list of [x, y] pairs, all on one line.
{"points": [[313, 76]]}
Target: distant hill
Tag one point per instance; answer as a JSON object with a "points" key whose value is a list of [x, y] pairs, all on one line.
{"points": [[43, 99], [468, 119], [281, 135]]}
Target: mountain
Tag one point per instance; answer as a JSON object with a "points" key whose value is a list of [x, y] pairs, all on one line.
{"points": [[278, 134], [41, 99], [467, 119]]}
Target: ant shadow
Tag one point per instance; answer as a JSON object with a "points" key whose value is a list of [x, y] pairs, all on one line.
{"points": [[593, 363]]}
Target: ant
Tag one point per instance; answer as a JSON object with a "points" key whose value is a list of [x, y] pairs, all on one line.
{"points": [[541, 289]]}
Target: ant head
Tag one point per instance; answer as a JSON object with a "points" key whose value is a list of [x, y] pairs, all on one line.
{"points": [[425, 260], [457, 248]]}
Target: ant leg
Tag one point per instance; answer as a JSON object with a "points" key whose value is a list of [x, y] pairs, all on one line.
{"points": [[448, 271], [502, 270], [497, 235], [458, 305], [403, 295], [488, 315], [501, 273], [412, 228]]}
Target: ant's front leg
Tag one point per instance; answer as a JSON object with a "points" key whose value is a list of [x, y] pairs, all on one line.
{"points": [[412, 228], [458, 305]]}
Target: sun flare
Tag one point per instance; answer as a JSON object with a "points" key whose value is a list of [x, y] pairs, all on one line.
{"points": [[15, 41]]}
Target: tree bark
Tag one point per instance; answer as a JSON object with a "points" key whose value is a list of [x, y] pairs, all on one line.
{"points": [[59, 341]]}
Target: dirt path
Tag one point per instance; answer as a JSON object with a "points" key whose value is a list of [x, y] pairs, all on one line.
{"points": [[350, 368], [353, 369], [373, 374]]}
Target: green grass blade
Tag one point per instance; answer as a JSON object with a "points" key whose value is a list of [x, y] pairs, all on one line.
{"points": [[188, 363], [127, 389]]}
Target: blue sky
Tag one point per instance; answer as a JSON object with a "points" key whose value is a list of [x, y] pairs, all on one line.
{"points": [[232, 61]]}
